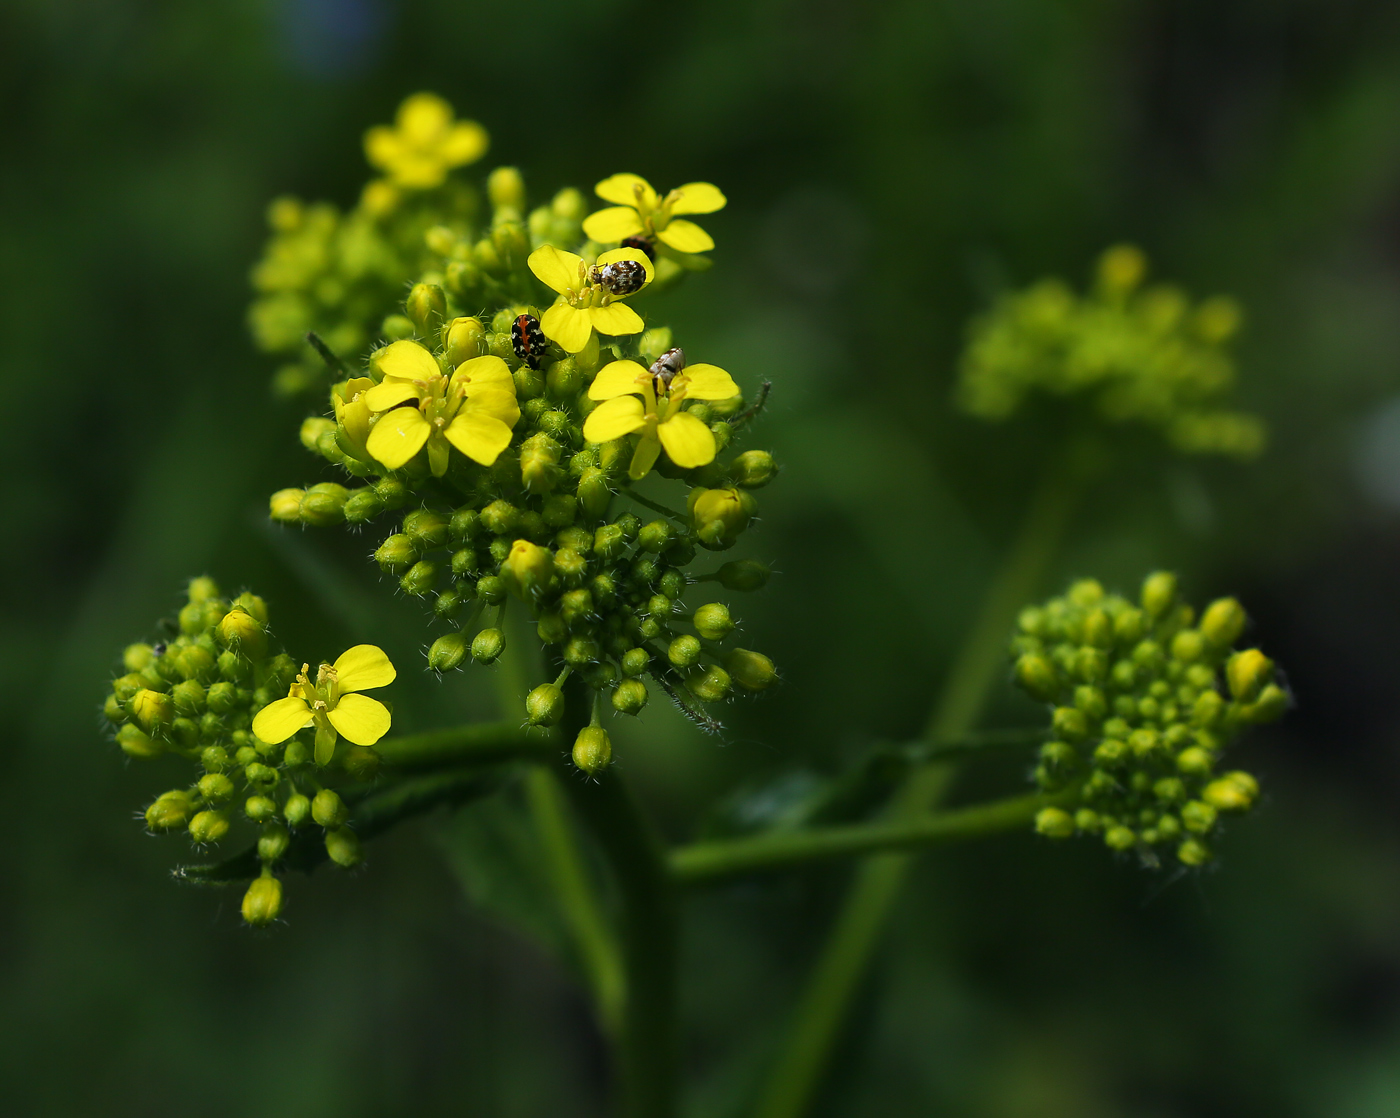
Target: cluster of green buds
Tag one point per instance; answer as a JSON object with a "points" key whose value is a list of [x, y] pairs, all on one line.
{"points": [[216, 693], [1137, 354], [1146, 700], [513, 407]]}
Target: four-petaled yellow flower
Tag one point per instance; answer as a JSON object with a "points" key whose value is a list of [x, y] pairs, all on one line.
{"points": [[641, 212], [585, 302], [657, 414], [474, 409], [332, 704], [425, 143]]}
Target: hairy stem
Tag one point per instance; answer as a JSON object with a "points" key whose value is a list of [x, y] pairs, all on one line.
{"points": [[704, 861], [646, 1039], [845, 957], [478, 743]]}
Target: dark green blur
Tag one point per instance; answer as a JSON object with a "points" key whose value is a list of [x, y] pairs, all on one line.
{"points": [[890, 168]]}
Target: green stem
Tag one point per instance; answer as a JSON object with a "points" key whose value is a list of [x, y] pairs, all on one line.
{"points": [[646, 1040], [600, 954], [704, 861], [480, 743], [846, 955], [647, 502]]}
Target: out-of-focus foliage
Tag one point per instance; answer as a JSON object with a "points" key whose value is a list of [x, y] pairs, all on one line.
{"points": [[891, 171]]}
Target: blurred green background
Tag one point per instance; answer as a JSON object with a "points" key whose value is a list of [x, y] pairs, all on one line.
{"points": [[890, 167]]}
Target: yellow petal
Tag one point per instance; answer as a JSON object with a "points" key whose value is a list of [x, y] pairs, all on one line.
{"points": [[360, 719], [407, 361], [384, 396], [688, 442], [555, 268], [567, 325], [612, 224], [614, 418], [685, 236], [494, 401], [613, 255], [617, 379], [279, 720], [478, 435], [363, 667], [419, 171], [708, 382], [622, 190], [398, 436], [616, 319], [382, 146], [698, 198], [467, 142], [424, 117], [643, 459], [483, 372]]}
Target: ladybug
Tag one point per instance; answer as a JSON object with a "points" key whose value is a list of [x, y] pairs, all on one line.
{"points": [[621, 277], [527, 339], [665, 368], [642, 244]]}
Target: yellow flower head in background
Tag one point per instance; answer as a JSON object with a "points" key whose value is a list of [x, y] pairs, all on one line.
{"points": [[589, 296], [473, 410], [637, 399], [424, 143], [641, 212], [332, 704]]}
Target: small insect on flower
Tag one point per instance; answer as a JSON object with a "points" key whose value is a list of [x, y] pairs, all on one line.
{"points": [[528, 340], [665, 368], [621, 277], [641, 244]]}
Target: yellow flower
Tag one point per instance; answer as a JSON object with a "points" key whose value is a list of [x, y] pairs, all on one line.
{"points": [[587, 295], [331, 703], [352, 414], [657, 414], [640, 212], [424, 143], [473, 410]]}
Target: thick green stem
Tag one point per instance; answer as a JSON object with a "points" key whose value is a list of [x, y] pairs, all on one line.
{"points": [[479, 743], [704, 861], [646, 1040], [846, 955], [578, 900]]}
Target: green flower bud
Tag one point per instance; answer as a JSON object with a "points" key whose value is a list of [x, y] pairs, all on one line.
{"points": [[564, 380], [581, 651], [592, 749], [753, 469], [1111, 753], [135, 743], [1037, 675], [594, 493], [488, 645], [137, 656], [630, 696], [297, 809], [420, 578], [1159, 593], [1194, 761], [491, 590], [560, 510], [505, 187], [710, 686], [448, 603], [188, 698], [1198, 817], [295, 753], [1193, 852], [285, 505], [576, 606], [551, 628], [539, 463], [751, 671], [361, 762], [1207, 709], [463, 525], [500, 518], [1120, 838], [1068, 722], [684, 651], [324, 504], [1271, 704], [328, 809], [544, 706], [448, 652], [1169, 790], [343, 847], [1145, 742], [235, 668], [426, 306], [743, 575], [215, 787], [1054, 823], [654, 537], [260, 809], [197, 663], [1086, 592], [273, 842], [528, 568], [262, 903], [241, 632], [1223, 622], [1188, 645], [170, 811], [363, 505], [151, 710], [604, 590], [426, 529], [464, 562], [392, 492], [1091, 701], [463, 339], [609, 542], [635, 661], [1247, 672], [712, 621], [208, 826], [1235, 791], [719, 516]]}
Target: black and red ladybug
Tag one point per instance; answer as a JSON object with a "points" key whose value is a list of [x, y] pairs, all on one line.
{"points": [[621, 277], [528, 340]]}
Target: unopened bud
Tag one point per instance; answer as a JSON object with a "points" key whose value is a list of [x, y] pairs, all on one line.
{"points": [[635, 661], [500, 518], [328, 809], [1037, 675], [544, 706], [297, 809], [1198, 817], [744, 575], [1193, 852], [712, 621], [630, 696], [215, 787], [151, 710], [426, 306], [263, 901], [710, 686], [1247, 672], [719, 516], [285, 505], [505, 187], [1054, 822], [751, 671], [539, 463], [594, 492], [361, 762], [396, 554], [1223, 622], [1235, 791], [592, 749], [1188, 646], [684, 651], [343, 847], [654, 537], [260, 809], [273, 842], [241, 632], [170, 811], [208, 826], [488, 645], [463, 339], [1158, 593], [753, 469], [324, 504], [528, 568], [448, 652], [136, 743]]}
